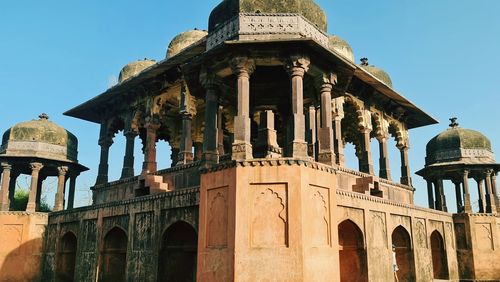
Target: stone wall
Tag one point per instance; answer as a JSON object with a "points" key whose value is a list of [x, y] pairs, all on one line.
{"points": [[21, 240]]}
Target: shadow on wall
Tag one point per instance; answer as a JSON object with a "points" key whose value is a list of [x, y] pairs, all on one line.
{"points": [[21, 264]]}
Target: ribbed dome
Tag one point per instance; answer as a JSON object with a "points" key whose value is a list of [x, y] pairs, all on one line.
{"points": [[134, 68], [377, 72], [231, 8], [184, 40], [459, 144], [39, 138], [341, 46]]}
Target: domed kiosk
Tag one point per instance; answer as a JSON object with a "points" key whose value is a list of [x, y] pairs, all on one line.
{"points": [[458, 154], [377, 72], [134, 68], [39, 148], [184, 40]]}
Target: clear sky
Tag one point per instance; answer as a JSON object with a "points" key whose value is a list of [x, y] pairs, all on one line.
{"points": [[442, 55]]}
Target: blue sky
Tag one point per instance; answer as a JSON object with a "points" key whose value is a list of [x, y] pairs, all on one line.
{"points": [[442, 55]]}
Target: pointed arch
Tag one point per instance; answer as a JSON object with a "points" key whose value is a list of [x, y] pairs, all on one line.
{"points": [[114, 256], [352, 253], [439, 258], [66, 257], [177, 258], [401, 243]]}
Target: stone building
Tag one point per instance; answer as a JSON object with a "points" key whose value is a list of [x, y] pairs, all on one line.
{"points": [[39, 148], [257, 111]]}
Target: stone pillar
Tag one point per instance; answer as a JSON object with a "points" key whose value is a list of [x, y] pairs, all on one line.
{"points": [[405, 166], [12, 187], [430, 196], [297, 67], [440, 197], [220, 132], [384, 170], [338, 143], [72, 188], [198, 150], [311, 131], [61, 183], [480, 192], [242, 67], [366, 163], [186, 144], [326, 153], [41, 179], [210, 152], [490, 197], [149, 164], [494, 188], [458, 195], [105, 141], [465, 183], [128, 159], [35, 171], [267, 144], [4, 193]]}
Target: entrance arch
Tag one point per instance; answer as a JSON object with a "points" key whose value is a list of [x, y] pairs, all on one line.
{"points": [[352, 254], [66, 258], [439, 259], [177, 260], [401, 241], [114, 256]]}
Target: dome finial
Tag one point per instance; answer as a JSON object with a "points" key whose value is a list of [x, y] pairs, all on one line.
{"points": [[364, 61], [43, 116], [454, 123]]}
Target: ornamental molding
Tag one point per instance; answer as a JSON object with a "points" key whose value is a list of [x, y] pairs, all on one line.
{"points": [[266, 26]]}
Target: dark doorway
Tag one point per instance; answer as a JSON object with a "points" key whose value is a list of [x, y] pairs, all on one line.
{"points": [[114, 256], [352, 254], [177, 260], [404, 255], [439, 259], [66, 258]]}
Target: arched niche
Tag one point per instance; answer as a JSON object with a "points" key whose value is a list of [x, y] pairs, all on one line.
{"points": [[401, 242], [352, 254], [66, 258], [114, 256], [439, 258], [177, 258]]}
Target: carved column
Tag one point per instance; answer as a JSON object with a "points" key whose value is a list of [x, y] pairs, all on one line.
{"points": [[72, 188], [35, 171], [430, 196], [490, 197], [220, 132], [105, 141], [12, 186], [458, 195], [128, 159], [338, 106], [210, 152], [480, 192], [405, 166], [186, 143], [384, 170], [149, 165], [297, 67], [326, 152], [495, 190], [61, 183], [267, 144], [465, 183], [41, 179], [311, 131], [198, 150], [242, 67], [366, 163], [440, 197], [5, 199]]}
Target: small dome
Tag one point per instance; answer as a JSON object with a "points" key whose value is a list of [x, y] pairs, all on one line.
{"points": [[377, 72], [229, 9], [40, 138], [459, 144], [134, 68], [341, 46], [184, 40]]}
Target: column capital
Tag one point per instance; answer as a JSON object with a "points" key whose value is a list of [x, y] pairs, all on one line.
{"points": [[36, 167], [326, 81], [488, 172], [6, 166], [62, 170], [130, 133], [152, 123], [465, 173], [105, 141], [242, 66], [297, 65], [208, 79]]}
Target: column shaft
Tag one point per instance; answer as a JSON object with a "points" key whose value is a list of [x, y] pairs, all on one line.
{"points": [[430, 194], [128, 159], [366, 164], [311, 129], [480, 191], [495, 191], [149, 165], [210, 152], [242, 147], [72, 188], [465, 184], [458, 195], [384, 159], [35, 170], [5, 199], [61, 183], [105, 142], [339, 143], [405, 167], [220, 132], [326, 145], [490, 197]]}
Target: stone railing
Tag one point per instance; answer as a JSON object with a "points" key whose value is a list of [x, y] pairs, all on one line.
{"points": [[271, 26]]}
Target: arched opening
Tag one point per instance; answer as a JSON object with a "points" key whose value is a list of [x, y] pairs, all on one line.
{"points": [[352, 254], [177, 260], [351, 136], [114, 256], [66, 258], [439, 260], [401, 242]]}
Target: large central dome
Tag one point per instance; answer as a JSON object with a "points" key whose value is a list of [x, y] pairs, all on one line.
{"points": [[231, 8]]}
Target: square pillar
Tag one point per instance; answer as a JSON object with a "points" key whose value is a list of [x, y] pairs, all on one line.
{"points": [[480, 192], [384, 170], [326, 152], [128, 159], [149, 165], [490, 197], [405, 166], [72, 188], [465, 184], [458, 195], [61, 183], [430, 194], [35, 171], [105, 141], [4, 193], [210, 153]]}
